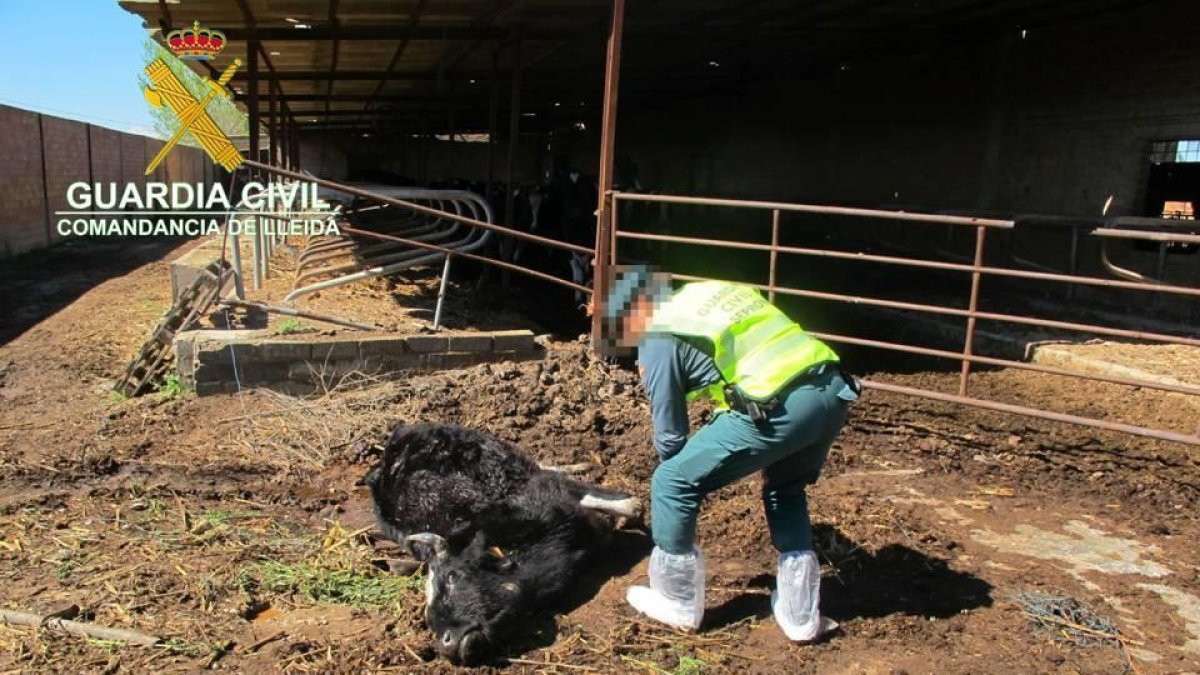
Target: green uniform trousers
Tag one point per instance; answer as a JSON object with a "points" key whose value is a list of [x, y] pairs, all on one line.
{"points": [[789, 447]]}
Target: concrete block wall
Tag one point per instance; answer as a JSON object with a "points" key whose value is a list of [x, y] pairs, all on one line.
{"points": [[206, 359], [65, 148], [134, 158], [23, 197], [43, 155], [106, 155]]}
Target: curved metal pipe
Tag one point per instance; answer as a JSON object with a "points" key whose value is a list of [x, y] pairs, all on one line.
{"points": [[377, 253], [465, 245]]}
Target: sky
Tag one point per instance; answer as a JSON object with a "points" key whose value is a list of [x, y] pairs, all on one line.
{"points": [[78, 59]]}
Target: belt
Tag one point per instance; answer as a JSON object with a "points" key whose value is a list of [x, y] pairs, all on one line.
{"points": [[758, 410]]}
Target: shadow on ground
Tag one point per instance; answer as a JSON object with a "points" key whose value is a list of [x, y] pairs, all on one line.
{"points": [[38, 284], [894, 580]]}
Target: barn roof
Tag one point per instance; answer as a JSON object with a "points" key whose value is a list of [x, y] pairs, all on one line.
{"points": [[360, 63]]}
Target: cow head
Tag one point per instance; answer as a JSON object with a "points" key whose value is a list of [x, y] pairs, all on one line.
{"points": [[472, 596]]}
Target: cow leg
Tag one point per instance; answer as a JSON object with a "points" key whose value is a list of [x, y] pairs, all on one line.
{"points": [[579, 264], [581, 467], [604, 500], [627, 507]]}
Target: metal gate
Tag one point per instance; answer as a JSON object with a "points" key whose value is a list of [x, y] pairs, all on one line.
{"points": [[611, 234]]}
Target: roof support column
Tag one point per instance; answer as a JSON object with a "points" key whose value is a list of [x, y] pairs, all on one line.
{"points": [[272, 126], [295, 145], [281, 130], [493, 115], [451, 113], [608, 137], [252, 99], [514, 132]]}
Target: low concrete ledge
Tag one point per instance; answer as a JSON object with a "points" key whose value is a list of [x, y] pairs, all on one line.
{"points": [[214, 361], [192, 264]]}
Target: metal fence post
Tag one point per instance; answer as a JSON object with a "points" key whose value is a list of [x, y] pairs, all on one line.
{"points": [[257, 252], [774, 253], [235, 259], [608, 132], [972, 306], [441, 296], [614, 209]]}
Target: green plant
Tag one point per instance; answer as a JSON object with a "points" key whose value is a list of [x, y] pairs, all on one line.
{"points": [[222, 516], [170, 387], [180, 646], [110, 646], [154, 508], [64, 569], [689, 665], [210, 520], [330, 581], [117, 396], [288, 326]]}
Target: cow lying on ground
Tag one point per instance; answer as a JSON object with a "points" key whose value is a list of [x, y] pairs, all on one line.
{"points": [[503, 537]]}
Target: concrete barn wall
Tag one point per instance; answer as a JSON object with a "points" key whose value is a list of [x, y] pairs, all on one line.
{"points": [[43, 155]]}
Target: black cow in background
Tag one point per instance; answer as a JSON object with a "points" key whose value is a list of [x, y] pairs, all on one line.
{"points": [[503, 537], [572, 203], [562, 207]]}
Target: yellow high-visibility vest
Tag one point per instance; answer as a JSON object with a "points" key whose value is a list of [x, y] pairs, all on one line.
{"points": [[756, 346]]}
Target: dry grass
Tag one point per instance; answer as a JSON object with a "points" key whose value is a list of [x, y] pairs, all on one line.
{"points": [[307, 431]]}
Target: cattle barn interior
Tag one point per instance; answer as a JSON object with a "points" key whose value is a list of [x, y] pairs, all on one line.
{"points": [[1064, 109]]}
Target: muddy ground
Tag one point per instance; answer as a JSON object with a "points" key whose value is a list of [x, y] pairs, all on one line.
{"points": [[230, 526]]}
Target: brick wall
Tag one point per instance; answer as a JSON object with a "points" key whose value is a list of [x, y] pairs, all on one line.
{"points": [[134, 157], [69, 152], [106, 155], [65, 147], [22, 199]]}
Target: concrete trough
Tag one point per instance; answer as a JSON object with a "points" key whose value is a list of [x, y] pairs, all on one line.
{"points": [[216, 361]]}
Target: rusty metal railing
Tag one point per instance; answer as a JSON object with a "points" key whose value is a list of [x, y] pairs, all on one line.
{"points": [[436, 213], [977, 269]]}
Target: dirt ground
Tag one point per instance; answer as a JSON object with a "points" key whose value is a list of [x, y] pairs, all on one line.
{"points": [[230, 525]]}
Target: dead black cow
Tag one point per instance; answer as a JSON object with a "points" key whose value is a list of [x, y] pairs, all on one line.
{"points": [[503, 537]]}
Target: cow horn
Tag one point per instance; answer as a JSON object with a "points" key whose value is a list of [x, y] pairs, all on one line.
{"points": [[433, 542]]}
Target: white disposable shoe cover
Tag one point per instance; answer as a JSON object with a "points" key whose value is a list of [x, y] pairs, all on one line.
{"points": [[795, 602], [676, 592]]}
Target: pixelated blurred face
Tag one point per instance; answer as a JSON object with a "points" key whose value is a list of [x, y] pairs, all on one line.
{"points": [[636, 320]]}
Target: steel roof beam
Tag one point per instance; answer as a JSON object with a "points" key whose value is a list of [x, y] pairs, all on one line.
{"points": [[333, 61], [383, 32], [414, 21]]}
